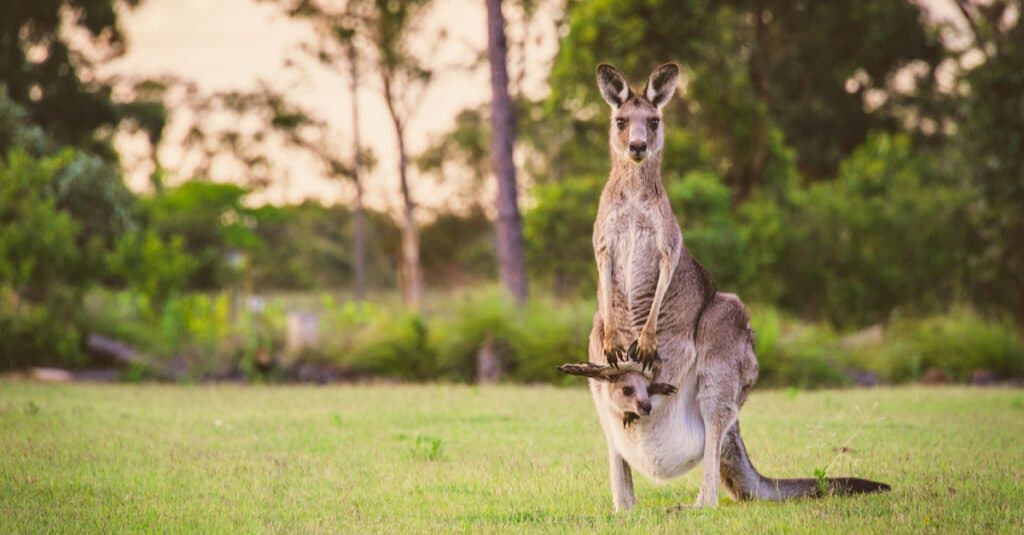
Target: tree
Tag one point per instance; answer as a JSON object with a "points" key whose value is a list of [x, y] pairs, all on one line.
{"points": [[43, 72], [359, 215], [338, 48], [991, 139], [43, 274], [461, 157], [509, 227], [385, 28], [252, 123], [404, 78], [763, 77]]}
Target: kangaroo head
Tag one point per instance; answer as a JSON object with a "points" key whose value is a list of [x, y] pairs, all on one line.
{"points": [[636, 131]]}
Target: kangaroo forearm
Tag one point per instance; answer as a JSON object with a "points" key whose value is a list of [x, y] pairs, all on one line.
{"points": [[666, 267], [604, 287]]}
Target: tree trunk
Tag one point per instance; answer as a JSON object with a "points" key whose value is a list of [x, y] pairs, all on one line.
{"points": [[358, 217], [511, 263], [412, 288]]}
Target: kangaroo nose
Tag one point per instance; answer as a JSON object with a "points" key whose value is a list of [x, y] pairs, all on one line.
{"points": [[638, 147], [645, 407]]}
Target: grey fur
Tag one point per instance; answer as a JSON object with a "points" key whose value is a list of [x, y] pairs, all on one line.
{"points": [[655, 299]]}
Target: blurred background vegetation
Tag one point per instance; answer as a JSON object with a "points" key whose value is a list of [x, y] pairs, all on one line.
{"points": [[853, 169]]}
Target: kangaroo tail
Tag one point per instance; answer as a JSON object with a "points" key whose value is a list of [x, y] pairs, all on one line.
{"points": [[744, 482]]}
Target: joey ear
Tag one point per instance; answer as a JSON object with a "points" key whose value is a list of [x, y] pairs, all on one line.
{"points": [[662, 84], [613, 85], [664, 389], [591, 370]]}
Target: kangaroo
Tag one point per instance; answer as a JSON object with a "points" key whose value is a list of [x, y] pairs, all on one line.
{"points": [[671, 359]]}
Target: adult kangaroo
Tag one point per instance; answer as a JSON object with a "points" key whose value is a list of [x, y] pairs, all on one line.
{"points": [[671, 359]]}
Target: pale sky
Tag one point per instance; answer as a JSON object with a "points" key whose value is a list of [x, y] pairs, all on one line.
{"points": [[227, 44]]}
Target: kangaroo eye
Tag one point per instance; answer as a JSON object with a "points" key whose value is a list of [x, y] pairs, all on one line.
{"points": [[653, 123], [627, 391], [621, 123]]}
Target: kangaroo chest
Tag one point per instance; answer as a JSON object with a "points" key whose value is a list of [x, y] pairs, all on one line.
{"points": [[631, 234]]}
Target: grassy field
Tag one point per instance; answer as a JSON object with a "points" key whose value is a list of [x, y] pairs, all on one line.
{"points": [[224, 459]]}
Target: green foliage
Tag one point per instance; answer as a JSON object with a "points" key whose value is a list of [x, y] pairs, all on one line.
{"points": [[308, 246], [37, 246], [42, 68], [531, 342], [754, 71], [42, 270], [393, 344], [792, 353], [958, 343], [40, 334], [212, 222], [990, 141], [61, 212], [703, 205], [155, 267], [199, 335], [822, 480], [885, 234], [458, 248], [558, 231]]}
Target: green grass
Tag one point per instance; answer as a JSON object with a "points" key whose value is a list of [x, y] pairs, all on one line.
{"points": [[371, 459]]}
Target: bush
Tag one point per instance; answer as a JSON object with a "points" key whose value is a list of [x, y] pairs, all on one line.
{"points": [[887, 234], [393, 344], [793, 353], [557, 233], [386, 341], [958, 343], [380, 339], [196, 331]]}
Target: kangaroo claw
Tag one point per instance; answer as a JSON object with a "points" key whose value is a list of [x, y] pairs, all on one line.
{"points": [[634, 350], [614, 355], [647, 357]]}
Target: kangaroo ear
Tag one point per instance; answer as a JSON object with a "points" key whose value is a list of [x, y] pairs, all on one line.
{"points": [[662, 84], [613, 85]]}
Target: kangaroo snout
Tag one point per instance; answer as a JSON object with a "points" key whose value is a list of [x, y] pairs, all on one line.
{"points": [[644, 407], [637, 150]]}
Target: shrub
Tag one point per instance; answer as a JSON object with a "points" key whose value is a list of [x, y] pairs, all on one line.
{"points": [[958, 343], [393, 344], [793, 353], [196, 330], [887, 233]]}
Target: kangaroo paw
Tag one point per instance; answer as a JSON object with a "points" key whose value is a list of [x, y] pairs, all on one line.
{"points": [[644, 353], [614, 354]]}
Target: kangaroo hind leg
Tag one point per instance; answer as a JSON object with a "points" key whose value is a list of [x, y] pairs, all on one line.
{"points": [[726, 369]]}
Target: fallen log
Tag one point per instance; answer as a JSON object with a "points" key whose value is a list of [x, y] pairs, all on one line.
{"points": [[127, 354]]}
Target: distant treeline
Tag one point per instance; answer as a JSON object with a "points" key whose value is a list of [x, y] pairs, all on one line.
{"points": [[842, 162]]}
